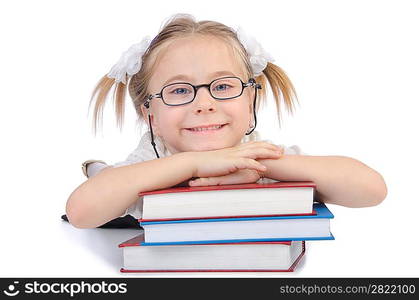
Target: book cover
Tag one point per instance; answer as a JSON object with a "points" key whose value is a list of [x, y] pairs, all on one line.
{"points": [[279, 184], [142, 220], [272, 228]]}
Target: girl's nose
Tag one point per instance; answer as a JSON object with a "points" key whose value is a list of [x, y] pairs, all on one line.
{"points": [[204, 102]]}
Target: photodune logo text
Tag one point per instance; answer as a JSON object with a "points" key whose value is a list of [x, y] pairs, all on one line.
{"points": [[36, 287]]}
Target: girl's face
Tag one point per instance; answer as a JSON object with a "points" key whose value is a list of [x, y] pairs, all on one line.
{"points": [[199, 60]]}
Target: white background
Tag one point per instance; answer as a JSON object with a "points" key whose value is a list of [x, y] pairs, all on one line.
{"points": [[355, 68]]}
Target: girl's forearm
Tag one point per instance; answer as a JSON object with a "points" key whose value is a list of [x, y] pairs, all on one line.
{"points": [[109, 193], [339, 180]]}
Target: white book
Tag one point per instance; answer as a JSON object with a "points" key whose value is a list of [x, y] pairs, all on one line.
{"points": [[253, 199], [257, 256]]}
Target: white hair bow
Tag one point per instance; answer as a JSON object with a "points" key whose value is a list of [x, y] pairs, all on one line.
{"points": [[130, 61], [259, 58]]}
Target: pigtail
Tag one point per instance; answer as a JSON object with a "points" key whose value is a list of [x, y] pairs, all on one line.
{"points": [[282, 89], [99, 96]]}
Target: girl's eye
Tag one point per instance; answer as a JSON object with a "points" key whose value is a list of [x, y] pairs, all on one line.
{"points": [[180, 91], [222, 87]]}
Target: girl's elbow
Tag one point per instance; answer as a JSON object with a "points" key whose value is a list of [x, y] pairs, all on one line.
{"points": [[77, 212], [382, 193], [378, 191]]}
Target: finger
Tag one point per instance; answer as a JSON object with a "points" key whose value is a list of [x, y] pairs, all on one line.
{"points": [[203, 181], [281, 150], [259, 144], [234, 178], [238, 177], [248, 163], [261, 153]]}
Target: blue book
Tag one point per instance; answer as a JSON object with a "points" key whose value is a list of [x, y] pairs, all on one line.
{"points": [[240, 229]]}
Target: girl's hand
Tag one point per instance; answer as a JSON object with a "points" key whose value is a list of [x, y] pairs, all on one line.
{"points": [[227, 161], [241, 176]]}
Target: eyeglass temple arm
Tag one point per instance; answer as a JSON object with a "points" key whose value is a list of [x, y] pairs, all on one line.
{"points": [[147, 105], [152, 136], [257, 87]]}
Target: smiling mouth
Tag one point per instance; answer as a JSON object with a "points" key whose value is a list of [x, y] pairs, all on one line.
{"points": [[211, 128]]}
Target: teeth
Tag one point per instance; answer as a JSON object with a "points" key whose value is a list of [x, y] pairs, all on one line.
{"points": [[206, 128]]}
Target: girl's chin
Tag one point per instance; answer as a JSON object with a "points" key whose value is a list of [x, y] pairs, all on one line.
{"points": [[200, 145], [208, 146]]}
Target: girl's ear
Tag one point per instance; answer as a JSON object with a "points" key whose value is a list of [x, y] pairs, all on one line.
{"points": [[251, 97], [144, 112]]}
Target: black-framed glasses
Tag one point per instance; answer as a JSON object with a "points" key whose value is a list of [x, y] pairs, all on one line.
{"points": [[181, 93]]}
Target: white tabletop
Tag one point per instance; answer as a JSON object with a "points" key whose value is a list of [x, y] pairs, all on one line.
{"points": [[367, 244]]}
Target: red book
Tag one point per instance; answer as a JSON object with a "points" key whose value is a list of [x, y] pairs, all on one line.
{"points": [[233, 200], [223, 257]]}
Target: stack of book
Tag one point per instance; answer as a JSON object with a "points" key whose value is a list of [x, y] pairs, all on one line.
{"points": [[241, 227]]}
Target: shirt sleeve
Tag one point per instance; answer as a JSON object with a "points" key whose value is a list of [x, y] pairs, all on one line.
{"points": [[132, 158], [94, 168], [293, 150], [135, 210]]}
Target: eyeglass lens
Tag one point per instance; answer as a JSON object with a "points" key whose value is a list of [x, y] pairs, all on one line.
{"points": [[223, 88]]}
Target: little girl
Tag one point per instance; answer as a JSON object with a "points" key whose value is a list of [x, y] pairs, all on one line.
{"points": [[196, 85]]}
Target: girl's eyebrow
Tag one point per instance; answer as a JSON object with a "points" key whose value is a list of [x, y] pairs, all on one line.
{"points": [[187, 78]]}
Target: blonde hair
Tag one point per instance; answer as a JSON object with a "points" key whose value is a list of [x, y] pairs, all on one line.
{"points": [[181, 25]]}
